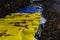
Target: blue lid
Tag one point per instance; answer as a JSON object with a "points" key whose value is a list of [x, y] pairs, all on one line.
{"points": [[29, 9]]}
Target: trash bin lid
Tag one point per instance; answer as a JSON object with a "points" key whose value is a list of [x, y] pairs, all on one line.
{"points": [[29, 9]]}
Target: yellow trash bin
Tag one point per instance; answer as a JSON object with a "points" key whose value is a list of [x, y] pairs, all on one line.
{"points": [[19, 26]]}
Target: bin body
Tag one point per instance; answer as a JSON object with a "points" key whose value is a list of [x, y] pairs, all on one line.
{"points": [[19, 27]]}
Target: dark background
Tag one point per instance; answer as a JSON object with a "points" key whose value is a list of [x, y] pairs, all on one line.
{"points": [[10, 6], [51, 12]]}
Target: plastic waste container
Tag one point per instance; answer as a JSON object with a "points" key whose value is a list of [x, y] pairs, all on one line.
{"points": [[21, 25]]}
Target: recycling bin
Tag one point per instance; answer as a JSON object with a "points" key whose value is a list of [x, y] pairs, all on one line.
{"points": [[22, 25]]}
